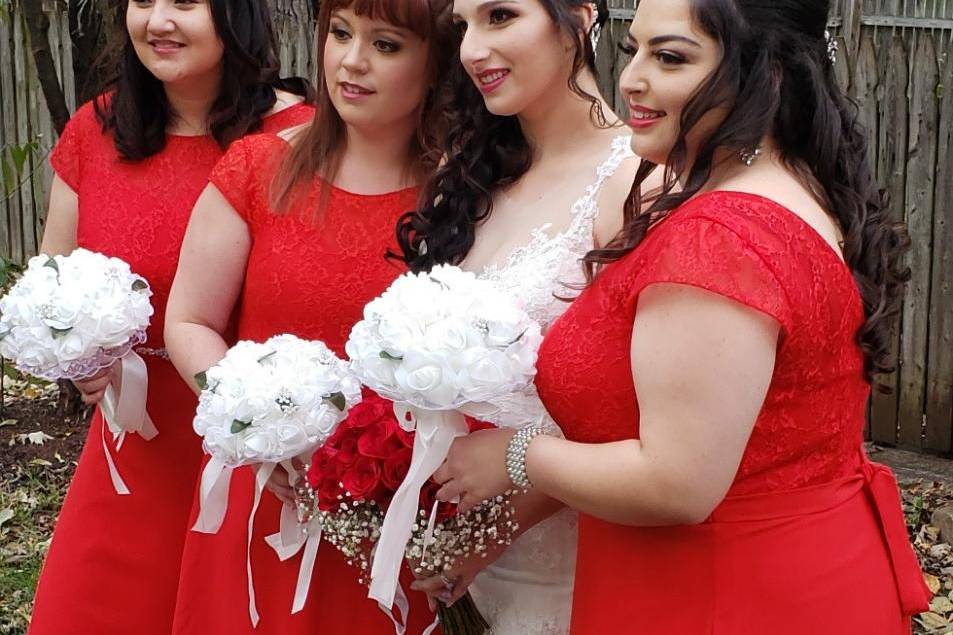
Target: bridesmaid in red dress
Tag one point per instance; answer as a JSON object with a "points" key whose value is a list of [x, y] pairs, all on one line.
{"points": [[712, 380], [128, 171], [293, 232]]}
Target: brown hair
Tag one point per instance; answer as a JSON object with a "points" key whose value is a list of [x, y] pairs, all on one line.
{"points": [[317, 151]]}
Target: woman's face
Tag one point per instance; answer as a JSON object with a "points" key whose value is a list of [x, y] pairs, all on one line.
{"points": [[513, 51], [176, 40], [376, 73], [671, 58]]}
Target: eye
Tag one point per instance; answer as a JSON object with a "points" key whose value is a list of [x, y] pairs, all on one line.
{"points": [[627, 49], [667, 58], [501, 16], [386, 46], [339, 33]]}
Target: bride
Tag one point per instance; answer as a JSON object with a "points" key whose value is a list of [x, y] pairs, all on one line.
{"points": [[533, 153]]}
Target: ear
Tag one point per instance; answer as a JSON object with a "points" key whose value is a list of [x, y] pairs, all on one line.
{"points": [[587, 15]]}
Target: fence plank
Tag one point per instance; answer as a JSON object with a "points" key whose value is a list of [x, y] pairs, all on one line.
{"points": [[891, 167], [918, 215], [939, 392], [11, 204], [21, 81]]}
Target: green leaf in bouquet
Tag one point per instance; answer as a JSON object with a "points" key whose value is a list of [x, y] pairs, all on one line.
{"points": [[267, 357], [337, 400], [140, 285], [60, 333], [201, 380], [238, 426], [4, 334], [52, 264], [393, 358]]}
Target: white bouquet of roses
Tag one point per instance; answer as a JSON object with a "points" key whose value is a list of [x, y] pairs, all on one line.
{"points": [[69, 317], [439, 344], [264, 405]]}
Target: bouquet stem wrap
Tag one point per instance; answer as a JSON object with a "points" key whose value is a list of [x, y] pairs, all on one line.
{"points": [[435, 432], [124, 411]]}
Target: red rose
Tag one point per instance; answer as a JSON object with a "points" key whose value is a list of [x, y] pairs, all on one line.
{"points": [[362, 478], [395, 469], [372, 409], [328, 494], [376, 441], [347, 450], [324, 465]]}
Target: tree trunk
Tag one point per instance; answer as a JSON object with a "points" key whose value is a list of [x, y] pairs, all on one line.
{"points": [[38, 26], [93, 28]]}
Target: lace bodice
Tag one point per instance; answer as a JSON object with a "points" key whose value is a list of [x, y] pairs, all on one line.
{"points": [[528, 590], [544, 268], [128, 210]]}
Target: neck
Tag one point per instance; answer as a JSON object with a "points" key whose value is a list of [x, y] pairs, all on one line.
{"points": [[190, 102], [728, 163], [375, 161], [560, 120]]}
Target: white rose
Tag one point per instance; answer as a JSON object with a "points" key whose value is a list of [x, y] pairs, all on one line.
{"points": [[449, 336], [428, 376], [485, 374]]}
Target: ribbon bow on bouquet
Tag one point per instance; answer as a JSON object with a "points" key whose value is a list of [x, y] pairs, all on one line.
{"points": [[439, 344], [70, 317], [266, 405]]}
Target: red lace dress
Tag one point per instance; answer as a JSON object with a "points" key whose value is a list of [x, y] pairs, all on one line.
{"points": [[811, 537], [309, 273], [113, 565]]}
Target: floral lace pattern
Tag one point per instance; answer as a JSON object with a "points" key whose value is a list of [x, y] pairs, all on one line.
{"points": [[128, 210], [757, 253], [528, 590]]}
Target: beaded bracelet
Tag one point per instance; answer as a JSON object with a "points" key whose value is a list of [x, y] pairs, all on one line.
{"points": [[516, 456]]}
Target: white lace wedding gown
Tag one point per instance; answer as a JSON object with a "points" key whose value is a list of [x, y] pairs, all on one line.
{"points": [[528, 590]]}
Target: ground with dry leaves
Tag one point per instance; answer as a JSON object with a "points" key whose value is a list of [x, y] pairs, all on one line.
{"points": [[38, 451]]}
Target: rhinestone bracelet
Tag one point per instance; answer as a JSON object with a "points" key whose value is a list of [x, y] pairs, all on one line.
{"points": [[516, 456]]}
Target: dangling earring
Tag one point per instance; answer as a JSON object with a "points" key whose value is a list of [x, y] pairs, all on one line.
{"points": [[596, 31], [750, 155]]}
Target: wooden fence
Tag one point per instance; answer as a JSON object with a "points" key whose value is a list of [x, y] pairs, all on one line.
{"points": [[895, 60]]}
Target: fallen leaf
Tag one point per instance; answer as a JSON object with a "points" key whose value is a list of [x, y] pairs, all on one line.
{"points": [[933, 582], [941, 604], [932, 620], [5, 515], [42, 462], [38, 438], [8, 422]]}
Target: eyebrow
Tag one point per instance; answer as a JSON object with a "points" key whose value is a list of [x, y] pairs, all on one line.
{"points": [[490, 4], [662, 39]]}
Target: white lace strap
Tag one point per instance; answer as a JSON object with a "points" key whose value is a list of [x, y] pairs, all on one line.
{"points": [[587, 206]]}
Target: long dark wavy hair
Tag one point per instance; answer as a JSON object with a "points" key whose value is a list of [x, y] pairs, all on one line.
{"points": [[137, 111], [482, 152], [318, 150], [776, 79]]}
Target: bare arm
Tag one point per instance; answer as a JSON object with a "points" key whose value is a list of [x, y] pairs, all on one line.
{"points": [[702, 365], [207, 285], [62, 217]]}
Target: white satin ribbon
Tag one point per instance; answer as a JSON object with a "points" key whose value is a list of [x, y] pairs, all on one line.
{"points": [[262, 474], [435, 432], [124, 411], [213, 496], [291, 537]]}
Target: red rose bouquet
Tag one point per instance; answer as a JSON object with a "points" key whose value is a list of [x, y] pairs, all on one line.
{"points": [[353, 478]]}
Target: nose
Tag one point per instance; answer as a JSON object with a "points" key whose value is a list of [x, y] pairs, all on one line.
{"points": [[633, 81], [473, 49], [355, 60], [161, 18]]}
